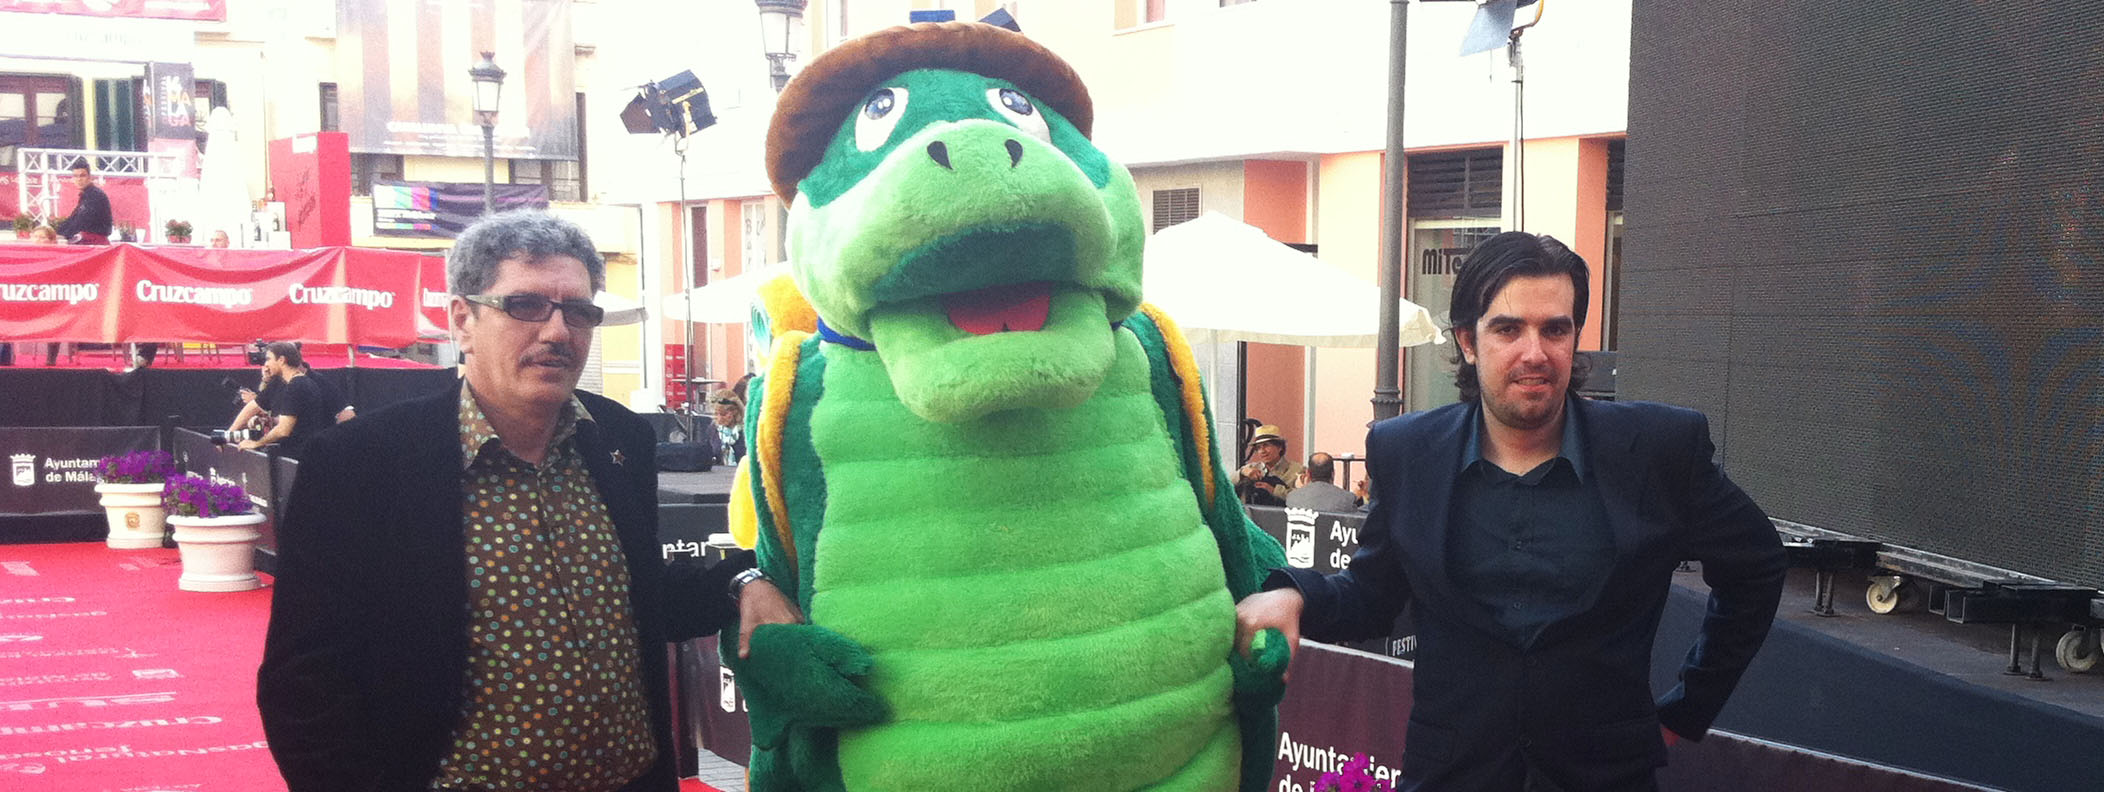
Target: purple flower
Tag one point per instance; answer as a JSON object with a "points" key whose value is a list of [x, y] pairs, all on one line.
{"points": [[191, 495], [136, 467], [1352, 777]]}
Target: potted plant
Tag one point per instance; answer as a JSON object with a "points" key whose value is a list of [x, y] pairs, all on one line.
{"points": [[23, 225], [178, 232], [215, 530], [131, 497]]}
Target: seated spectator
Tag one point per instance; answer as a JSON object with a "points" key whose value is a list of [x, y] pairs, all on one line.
{"points": [[1318, 491], [729, 413], [1266, 475]]}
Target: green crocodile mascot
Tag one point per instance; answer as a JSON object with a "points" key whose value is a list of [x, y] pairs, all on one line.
{"points": [[987, 477]]}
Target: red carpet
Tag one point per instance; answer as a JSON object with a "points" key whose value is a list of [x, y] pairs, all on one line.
{"points": [[112, 680]]}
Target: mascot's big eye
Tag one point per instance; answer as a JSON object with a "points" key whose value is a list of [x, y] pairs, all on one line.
{"points": [[880, 115], [1016, 107]]}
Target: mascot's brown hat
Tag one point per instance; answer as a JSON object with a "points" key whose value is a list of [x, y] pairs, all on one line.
{"points": [[824, 93]]}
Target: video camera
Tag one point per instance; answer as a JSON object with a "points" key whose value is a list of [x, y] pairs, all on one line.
{"points": [[222, 437]]}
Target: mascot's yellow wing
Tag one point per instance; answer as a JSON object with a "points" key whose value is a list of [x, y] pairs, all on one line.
{"points": [[744, 519], [765, 459], [1192, 389]]}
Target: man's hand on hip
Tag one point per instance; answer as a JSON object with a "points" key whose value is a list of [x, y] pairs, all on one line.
{"points": [[1278, 609], [761, 603]]}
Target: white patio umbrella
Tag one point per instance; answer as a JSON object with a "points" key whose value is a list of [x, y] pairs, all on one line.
{"points": [[726, 301], [1223, 280], [223, 202], [619, 310]]}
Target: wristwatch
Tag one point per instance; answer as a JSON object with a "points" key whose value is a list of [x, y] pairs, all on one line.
{"points": [[739, 581]]}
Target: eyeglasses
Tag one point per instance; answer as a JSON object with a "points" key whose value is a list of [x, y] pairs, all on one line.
{"points": [[535, 308]]}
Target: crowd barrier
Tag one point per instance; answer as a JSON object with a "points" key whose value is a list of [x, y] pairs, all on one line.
{"points": [[1826, 699]]}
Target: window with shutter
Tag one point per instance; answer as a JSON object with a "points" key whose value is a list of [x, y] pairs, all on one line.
{"points": [[1457, 183], [1174, 206]]}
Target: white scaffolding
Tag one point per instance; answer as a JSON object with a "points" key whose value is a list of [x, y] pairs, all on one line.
{"points": [[42, 170]]}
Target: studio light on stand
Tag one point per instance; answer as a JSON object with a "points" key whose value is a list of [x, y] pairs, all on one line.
{"points": [[675, 107], [489, 85]]}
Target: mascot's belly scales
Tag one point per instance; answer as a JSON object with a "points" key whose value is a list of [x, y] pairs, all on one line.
{"points": [[1044, 603]]}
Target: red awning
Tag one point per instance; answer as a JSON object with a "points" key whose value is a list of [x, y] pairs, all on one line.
{"points": [[122, 293]]}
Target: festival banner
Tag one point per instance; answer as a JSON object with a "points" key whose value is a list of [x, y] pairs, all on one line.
{"points": [[1325, 542], [199, 10], [441, 210], [415, 98], [127, 293], [51, 469], [1341, 726], [170, 113]]}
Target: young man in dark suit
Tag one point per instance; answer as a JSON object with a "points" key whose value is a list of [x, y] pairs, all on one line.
{"points": [[470, 592], [90, 222], [1537, 533]]}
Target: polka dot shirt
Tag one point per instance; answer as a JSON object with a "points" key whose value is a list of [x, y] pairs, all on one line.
{"points": [[555, 696]]}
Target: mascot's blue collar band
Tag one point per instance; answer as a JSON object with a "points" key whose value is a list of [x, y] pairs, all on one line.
{"points": [[826, 331]]}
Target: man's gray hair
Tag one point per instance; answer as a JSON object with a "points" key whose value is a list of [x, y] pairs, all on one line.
{"points": [[530, 234]]}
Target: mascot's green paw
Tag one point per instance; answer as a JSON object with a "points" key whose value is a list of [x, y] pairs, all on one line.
{"points": [[802, 675], [1260, 678]]}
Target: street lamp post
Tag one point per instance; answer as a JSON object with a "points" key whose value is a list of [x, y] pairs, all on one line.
{"points": [[489, 83], [781, 22]]}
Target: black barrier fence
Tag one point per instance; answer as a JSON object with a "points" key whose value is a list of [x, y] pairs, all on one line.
{"points": [[711, 711], [198, 397], [51, 470], [265, 478], [50, 495]]}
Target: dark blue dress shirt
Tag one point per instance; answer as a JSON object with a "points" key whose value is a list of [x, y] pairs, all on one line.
{"points": [[1531, 548]]}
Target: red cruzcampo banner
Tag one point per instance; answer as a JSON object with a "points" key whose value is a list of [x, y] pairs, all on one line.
{"points": [[311, 175], [200, 10], [129, 293], [441, 210]]}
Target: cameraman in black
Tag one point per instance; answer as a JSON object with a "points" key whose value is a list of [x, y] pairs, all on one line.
{"points": [[300, 405]]}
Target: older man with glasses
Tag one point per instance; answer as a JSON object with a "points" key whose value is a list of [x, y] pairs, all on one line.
{"points": [[470, 593]]}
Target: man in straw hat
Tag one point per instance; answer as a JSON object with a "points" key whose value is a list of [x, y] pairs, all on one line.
{"points": [[1267, 475]]}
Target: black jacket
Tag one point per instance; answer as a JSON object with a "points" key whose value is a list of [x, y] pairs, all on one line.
{"points": [[365, 663], [90, 216], [1579, 705]]}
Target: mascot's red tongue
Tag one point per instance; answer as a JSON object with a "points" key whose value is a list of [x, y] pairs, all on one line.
{"points": [[997, 309]]}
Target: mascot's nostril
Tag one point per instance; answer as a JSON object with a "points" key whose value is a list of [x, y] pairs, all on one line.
{"points": [[940, 153], [1015, 153]]}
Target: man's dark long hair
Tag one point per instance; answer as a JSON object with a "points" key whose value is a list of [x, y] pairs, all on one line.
{"points": [[288, 352], [1488, 268]]}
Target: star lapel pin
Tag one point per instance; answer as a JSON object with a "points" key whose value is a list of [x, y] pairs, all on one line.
{"points": [[616, 454]]}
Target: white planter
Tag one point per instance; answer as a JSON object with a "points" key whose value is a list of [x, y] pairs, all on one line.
{"points": [[219, 553], [137, 520]]}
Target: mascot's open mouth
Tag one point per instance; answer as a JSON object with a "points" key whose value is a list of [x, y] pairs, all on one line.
{"points": [[1006, 308]]}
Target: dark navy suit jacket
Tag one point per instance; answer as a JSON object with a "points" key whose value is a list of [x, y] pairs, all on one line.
{"points": [[1577, 707], [365, 664]]}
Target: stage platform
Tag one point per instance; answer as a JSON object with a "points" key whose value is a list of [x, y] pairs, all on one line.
{"points": [[199, 389], [710, 486], [1909, 690]]}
